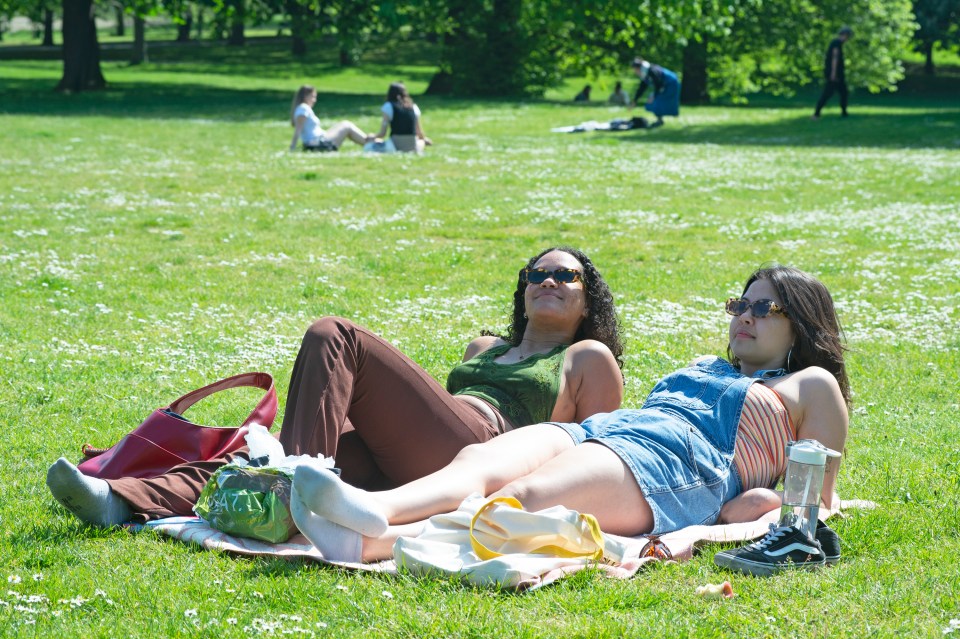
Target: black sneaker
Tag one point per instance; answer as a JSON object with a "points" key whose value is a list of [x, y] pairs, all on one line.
{"points": [[829, 542], [782, 548]]}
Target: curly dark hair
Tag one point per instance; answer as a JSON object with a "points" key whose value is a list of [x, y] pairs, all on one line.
{"points": [[601, 323], [813, 317]]}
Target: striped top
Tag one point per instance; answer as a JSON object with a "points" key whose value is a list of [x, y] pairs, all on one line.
{"points": [[765, 428]]}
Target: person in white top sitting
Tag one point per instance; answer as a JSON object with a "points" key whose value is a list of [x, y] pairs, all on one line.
{"points": [[307, 128], [619, 97], [402, 117]]}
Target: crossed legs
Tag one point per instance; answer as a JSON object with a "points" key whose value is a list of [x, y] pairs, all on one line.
{"points": [[539, 465]]}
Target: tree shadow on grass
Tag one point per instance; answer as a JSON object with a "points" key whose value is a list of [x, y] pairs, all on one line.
{"points": [[174, 101], [178, 100], [911, 129], [923, 114], [898, 121]]}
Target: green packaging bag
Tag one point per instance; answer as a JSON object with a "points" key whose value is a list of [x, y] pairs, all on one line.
{"points": [[249, 501]]}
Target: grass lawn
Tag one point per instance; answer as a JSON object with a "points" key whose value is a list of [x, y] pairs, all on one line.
{"points": [[157, 236]]}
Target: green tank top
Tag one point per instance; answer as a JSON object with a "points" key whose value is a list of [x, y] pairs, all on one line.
{"points": [[525, 392]]}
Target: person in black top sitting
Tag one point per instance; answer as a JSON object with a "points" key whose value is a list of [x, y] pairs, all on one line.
{"points": [[402, 117], [833, 73]]}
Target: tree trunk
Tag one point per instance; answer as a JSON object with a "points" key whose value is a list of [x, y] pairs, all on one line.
{"points": [[200, 15], [299, 27], [693, 89], [121, 27], [298, 46], [81, 51], [183, 29], [440, 84], [507, 55], [48, 27], [236, 37], [139, 53], [928, 55]]}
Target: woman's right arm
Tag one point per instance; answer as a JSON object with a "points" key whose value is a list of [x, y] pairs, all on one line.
{"points": [[592, 383]]}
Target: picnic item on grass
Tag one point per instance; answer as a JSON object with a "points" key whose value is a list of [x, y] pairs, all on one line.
{"points": [[502, 526], [252, 498], [497, 542], [716, 591], [249, 501], [619, 124], [167, 438]]}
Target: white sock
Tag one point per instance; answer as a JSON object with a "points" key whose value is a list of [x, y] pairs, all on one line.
{"points": [[89, 498], [334, 542], [325, 494]]}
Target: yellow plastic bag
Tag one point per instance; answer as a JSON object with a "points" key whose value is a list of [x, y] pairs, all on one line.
{"points": [[502, 526], [496, 542]]}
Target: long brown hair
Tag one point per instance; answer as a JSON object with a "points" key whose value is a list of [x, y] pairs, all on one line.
{"points": [[299, 98], [397, 94], [818, 337]]}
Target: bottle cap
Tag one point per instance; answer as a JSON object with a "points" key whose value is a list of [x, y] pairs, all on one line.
{"points": [[810, 451]]}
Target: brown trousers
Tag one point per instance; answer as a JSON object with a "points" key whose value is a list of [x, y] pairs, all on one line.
{"points": [[353, 397]]}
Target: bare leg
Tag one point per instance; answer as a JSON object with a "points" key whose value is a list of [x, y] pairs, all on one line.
{"points": [[345, 129], [589, 478], [377, 549], [479, 468]]}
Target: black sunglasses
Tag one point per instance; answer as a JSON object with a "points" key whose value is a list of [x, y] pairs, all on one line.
{"points": [[737, 306], [560, 275]]}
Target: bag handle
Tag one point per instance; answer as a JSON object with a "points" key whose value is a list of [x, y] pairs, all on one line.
{"points": [[486, 553], [265, 411]]}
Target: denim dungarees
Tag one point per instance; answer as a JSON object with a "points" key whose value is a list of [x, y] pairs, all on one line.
{"points": [[680, 444]]}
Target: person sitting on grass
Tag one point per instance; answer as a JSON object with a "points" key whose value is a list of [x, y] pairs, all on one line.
{"points": [[306, 125], [386, 421], [402, 117], [708, 441], [619, 96]]}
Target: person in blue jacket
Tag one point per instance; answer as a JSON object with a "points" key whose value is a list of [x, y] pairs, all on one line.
{"points": [[665, 99]]}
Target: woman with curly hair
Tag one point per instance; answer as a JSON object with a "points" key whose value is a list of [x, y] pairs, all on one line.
{"points": [[386, 421]]}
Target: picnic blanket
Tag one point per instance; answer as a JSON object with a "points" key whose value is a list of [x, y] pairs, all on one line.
{"points": [[620, 124], [515, 571]]}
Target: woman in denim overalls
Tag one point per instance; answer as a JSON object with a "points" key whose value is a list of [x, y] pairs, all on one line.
{"points": [[655, 469]]}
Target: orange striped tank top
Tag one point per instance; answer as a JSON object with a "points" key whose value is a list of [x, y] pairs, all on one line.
{"points": [[765, 428]]}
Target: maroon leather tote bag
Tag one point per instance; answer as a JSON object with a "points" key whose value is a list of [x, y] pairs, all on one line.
{"points": [[167, 438]]}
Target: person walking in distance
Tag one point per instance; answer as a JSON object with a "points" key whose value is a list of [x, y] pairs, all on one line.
{"points": [[833, 73]]}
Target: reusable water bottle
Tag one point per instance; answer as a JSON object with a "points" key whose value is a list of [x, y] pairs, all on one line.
{"points": [[806, 462]]}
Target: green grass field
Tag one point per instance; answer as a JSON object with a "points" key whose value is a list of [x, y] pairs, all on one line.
{"points": [[157, 236]]}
